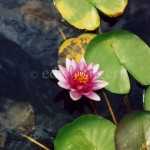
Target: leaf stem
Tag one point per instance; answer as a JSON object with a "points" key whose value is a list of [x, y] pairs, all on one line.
{"points": [[109, 106], [99, 30], [93, 107]]}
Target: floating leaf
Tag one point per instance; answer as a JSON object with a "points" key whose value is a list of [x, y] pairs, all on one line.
{"points": [[111, 8], [74, 48], [88, 132], [133, 132], [83, 13], [147, 99], [116, 52]]}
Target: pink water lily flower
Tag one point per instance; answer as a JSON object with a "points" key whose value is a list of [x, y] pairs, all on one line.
{"points": [[80, 79]]}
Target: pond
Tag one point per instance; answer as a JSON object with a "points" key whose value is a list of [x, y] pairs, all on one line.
{"points": [[31, 102]]}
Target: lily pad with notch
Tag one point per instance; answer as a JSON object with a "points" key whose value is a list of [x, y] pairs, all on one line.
{"points": [[83, 14], [118, 52]]}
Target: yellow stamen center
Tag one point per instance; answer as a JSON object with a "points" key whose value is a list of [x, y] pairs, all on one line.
{"points": [[81, 77]]}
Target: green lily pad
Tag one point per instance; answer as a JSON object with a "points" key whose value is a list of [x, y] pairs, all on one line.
{"points": [[133, 132], [74, 48], [116, 52], [89, 132], [83, 14], [111, 8], [147, 99]]}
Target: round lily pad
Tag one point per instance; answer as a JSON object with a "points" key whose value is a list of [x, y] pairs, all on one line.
{"points": [[83, 14], [89, 132], [74, 48], [79, 13], [118, 52], [133, 132]]}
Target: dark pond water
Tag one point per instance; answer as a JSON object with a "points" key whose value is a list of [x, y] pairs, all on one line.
{"points": [[28, 52]]}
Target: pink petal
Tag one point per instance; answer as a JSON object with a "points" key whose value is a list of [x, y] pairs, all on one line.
{"points": [[95, 68], [77, 70], [64, 72], [99, 73], [64, 84], [89, 73], [71, 70], [80, 87], [73, 64], [96, 75], [99, 85], [90, 66], [68, 63], [92, 95], [82, 66], [72, 89], [58, 75], [93, 78], [75, 95], [82, 60]]}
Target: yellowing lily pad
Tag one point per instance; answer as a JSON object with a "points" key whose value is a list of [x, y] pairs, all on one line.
{"points": [[133, 132], [118, 52], [83, 14], [89, 132], [111, 8], [74, 48]]}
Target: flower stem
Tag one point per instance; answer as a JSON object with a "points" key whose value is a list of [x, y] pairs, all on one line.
{"points": [[36, 142], [110, 108], [93, 107], [99, 30], [62, 33], [127, 104]]}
